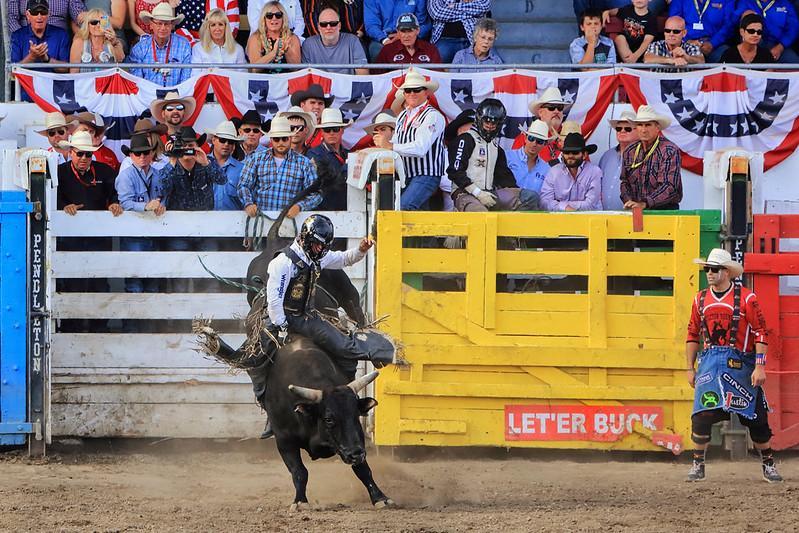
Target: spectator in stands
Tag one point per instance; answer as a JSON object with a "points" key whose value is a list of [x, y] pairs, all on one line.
{"points": [[83, 183], [312, 100], [57, 129], [117, 11], [295, 20], [64, 14], [406, 47], [303, 126], [95, 125], [251, 129], [749, 49], [781, 26], [95, 42], [549, 108], [224, 140], [272, 177], [574, 184], [381, 19], [216, 42], [482, 50], [591, 46], [173, 110], [527, 167], [453, 24], [459, 125], [39, 41], [650, 174], [419, 139], [384, 123], [640, 27], [708, 25], [137, 7], [195, 12], [332, 46], [331, 156], [350, 11], [273, 42], [147, 126], [673, 49], [163, 46], [610, 162]]}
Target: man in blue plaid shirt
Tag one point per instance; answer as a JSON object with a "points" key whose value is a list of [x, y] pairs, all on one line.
{"points": [[272, 177], [163, 46]]}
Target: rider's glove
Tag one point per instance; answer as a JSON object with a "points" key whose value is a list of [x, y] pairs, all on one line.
{"points": [[283, 334]]}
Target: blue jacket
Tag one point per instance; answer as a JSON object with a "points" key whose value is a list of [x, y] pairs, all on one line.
{"points": [[380, 17], [718, 21], [782, 24]]}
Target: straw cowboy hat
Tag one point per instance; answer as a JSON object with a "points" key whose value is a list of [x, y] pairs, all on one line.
{"points": [[722, 258], [226, 130], [281, 127], [81, 141], [569, 126], [331, 118], [538, 129], [139, 142], [398, 103], [297, 111], [95, 120], [162, 12], [313, 91], [146, 125], [56, 120], [627, 117], [172, 97], [382, 119], [551, 95], [647, 113], [413, 80]]}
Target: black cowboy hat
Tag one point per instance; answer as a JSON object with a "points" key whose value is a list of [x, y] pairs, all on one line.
{"points": [[575, 142], [250, 117], [187, 134], [139, 142], [464, 117], [313, 91]]}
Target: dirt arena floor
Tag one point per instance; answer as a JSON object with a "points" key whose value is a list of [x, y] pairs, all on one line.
{"points": [[243, 486]]}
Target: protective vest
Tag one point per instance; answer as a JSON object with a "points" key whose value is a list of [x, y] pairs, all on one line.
{"points": [[482, 162], [302, 287]]}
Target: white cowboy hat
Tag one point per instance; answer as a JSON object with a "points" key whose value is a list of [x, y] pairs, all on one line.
{"points": [[551, 95], [647, 113], [162, 12], [81, 141], [722, 258], [56, 120], [382, 119], [331, 118], [539, 129], [226, 130], [626, 117], [413, 80], [399, 102], [569, 126], [172, 97], [297, 111], [281, 127]]}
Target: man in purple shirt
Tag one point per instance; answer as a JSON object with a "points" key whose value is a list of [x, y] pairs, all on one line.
{"points": [[574, 184]]}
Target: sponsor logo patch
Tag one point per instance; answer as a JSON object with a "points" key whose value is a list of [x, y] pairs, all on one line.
{"points": [[704, 378], [709, 400], [734, 363], [743, 391], [735, 402]]}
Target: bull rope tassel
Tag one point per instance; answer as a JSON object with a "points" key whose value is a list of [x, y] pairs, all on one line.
{"points": [[207, 340], [230, 282]]}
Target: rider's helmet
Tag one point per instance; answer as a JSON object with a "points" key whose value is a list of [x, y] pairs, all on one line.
{"points": [[316, 236], [489, 117]]}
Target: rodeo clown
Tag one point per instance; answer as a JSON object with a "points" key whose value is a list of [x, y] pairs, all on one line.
{"points": [[731, 368]]}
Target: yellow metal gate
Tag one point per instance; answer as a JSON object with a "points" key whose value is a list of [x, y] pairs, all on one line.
{"points": [[540, 330]]}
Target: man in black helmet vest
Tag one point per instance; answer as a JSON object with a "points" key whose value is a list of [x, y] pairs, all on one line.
{"points": [[479, 169]]}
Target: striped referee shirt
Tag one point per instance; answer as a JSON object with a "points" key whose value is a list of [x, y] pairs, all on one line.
{"points": [[419, 139]]}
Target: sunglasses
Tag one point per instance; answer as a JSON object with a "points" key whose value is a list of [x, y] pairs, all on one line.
{"points": [[413, 90], [141, 152], [715, 270], [334, 129], [84, 155], [671, 30], [298, 127], [94, 22], [222, 140], [53, 133], [331, 24], [280, 139], [175, 107], [751, 31], [553, 107], [536, 140], [627, 129], [274, 15], [39, 12], [250, 130]]}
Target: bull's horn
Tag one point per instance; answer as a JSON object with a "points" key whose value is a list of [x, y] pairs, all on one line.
{"points": [[312, 395], [358, 384]]}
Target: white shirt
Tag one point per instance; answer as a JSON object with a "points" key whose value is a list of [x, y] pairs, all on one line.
{"points": [[281, 270], [296, 22], [217, 54], [426, 132]]}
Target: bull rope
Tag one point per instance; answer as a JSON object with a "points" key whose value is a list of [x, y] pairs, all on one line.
{"points": [[230, 282]]}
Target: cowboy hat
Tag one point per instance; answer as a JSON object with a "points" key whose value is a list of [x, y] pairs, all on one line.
{"points": [[398, 103], [626, 117], [538, 129], [139, 142], [722, 258], [383, 118], [187, 134], [464, 117], [297, 111], [280, 127], [56, 120], [569, 126], [95, 120], [81, 141], [551, 95], [313, 91], [172, 97], [331, 118], [575, 142], [146, 125], [414, 80], [647, 113], [162, 12], [226, 130], [253, 118]]}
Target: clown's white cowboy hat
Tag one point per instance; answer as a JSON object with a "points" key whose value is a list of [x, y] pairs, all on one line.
{"points": [[627, 117], [297, 111], [414, 80], [647, 113], [551, 95], [162, 12], [281, 127], [226, 130], [81, 141], [382, 119], [172, 97], [56, 120], [538, 129], [331, 118], [722, 258]]}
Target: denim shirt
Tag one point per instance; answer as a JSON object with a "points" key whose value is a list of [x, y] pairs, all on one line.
{"points": [[226, 195], [135, 188], [194, 191]]}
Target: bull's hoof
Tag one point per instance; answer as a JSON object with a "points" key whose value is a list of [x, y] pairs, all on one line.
{"points": [[383, 504], [299, 507]]}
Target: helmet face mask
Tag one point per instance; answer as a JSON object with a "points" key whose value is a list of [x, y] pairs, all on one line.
{"points": [[490, 111], [316, 236]]}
